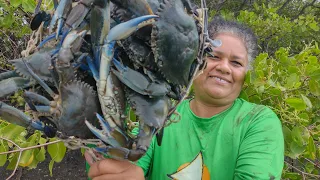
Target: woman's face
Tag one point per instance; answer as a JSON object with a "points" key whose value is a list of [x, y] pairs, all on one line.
{"points": [[222, 79]]}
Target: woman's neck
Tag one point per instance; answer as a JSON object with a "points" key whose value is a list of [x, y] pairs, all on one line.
{"points": [[204, 110]]}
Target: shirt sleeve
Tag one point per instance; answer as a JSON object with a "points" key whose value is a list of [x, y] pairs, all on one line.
{"points": [[145, 161], [261, 153]]}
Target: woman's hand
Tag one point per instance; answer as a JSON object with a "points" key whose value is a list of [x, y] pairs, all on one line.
{"points": [[113, 169]]}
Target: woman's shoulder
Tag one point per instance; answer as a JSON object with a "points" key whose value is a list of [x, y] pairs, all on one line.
{"points": [[253, 112]]}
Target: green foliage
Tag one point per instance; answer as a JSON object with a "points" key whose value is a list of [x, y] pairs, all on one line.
{"points": [[289, 84], [12, 16], [29, 158], [57, 152]]}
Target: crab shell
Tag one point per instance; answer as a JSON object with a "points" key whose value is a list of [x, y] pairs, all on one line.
{"points": [[174, 41]]}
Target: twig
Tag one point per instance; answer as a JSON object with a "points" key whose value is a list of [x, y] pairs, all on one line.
{"points": [[27, 148], [316, 165], [301, 172], [20, 150]]}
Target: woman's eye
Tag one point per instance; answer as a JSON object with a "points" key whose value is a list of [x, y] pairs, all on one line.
{"points": [[237, 63], [214, 57]]}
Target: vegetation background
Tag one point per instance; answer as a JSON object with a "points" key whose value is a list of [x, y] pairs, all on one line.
{"points": [[285, 77]]}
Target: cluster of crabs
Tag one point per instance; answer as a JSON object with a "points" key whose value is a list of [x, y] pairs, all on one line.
{"points": [[101, 59]]}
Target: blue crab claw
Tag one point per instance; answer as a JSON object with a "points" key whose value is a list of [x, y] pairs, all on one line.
{"points": [[17, 117], [120, 31], [124, 30], [111, 136], [138, 82], [72, 37], [60, 15], [13, 84]]}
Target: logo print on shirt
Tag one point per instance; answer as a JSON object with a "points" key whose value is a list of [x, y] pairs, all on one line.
{"points": [[195, 170]]}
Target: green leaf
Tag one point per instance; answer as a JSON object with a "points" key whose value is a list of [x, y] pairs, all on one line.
{"points": [[51, 167], [311, 149], [293, 69], [261, 58], [57, 151], [12, 131], [287, 135], [243, 95], [296, 150], [313, 60], [28, 5], [255, 99], [292, 80], [315, 75], [314, 26], [248, 77], [27, 156], [13, 162], [307, 101], [309, 167], [296, 103], [304, 116], [15, 3], [7, 20], [275, 92], [297, 136], [260, 89], [314, 87], [3, 158], [292, 176], [41, 155]]}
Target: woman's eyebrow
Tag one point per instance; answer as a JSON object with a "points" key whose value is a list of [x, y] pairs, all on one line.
{"points": [[238, 57]]}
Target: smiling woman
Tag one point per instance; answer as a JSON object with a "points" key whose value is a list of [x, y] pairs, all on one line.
{"points": [[222, 80], [219, 133]]}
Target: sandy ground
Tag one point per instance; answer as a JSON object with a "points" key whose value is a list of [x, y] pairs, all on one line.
{"points": [[72, 167]]}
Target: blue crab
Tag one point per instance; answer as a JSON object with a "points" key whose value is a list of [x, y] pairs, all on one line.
{"points": [[140, 53]]}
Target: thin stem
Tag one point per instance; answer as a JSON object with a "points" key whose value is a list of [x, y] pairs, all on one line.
{"points": [[301, 172], [316, 165], [20, 150], [27, 148]]}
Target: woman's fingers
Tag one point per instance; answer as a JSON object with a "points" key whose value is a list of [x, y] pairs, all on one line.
{"points": [[89, 158], [108, 166]]}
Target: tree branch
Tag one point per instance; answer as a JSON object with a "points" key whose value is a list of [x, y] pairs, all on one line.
{"points": [[304, 8], [244, 2], [301, 172], [283, 6]]}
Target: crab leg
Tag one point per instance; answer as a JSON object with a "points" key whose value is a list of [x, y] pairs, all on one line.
{"points": [[138, 82], [100, 26], [107, 91], [112, 136], [11, 85], [17, 117], [60, 15], [121, 31], [40, 81], [8, 74], [37, 97], [78, 14]]}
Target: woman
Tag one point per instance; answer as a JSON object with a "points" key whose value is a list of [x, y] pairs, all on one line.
{"points": [[219, 136]]}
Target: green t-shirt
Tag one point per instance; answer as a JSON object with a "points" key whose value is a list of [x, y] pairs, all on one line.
{"points": [[243, 142]]}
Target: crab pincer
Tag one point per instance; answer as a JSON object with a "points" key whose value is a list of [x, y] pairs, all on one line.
{"points": [[15, 116], [138, 82], [107, 97], [60, 16]]}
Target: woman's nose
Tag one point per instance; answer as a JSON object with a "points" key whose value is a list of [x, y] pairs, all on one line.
{"points": [[223, 66]]}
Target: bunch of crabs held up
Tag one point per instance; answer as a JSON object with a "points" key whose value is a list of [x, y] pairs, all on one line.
{"points": [[91, 62]]}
